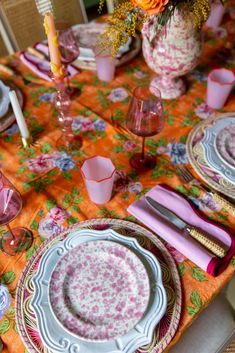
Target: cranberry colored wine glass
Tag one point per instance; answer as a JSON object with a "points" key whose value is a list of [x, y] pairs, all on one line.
{"points": [[145, 119], [14, 240], [69, 50]]}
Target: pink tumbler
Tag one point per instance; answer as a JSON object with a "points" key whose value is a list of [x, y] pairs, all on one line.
{"points": [[216, 15], [105, 65], [219, 86], [98, 174]]}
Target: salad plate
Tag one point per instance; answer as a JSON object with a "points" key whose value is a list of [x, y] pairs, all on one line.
{"points": [[99, 290], [92, 295], [218, 145]]}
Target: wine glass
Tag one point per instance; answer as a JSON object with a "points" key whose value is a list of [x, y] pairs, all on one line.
{"points": [[69, 50], [14, 240], [145, 119]]}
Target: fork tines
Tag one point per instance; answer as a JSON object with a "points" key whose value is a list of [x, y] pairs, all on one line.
{"points": [[185, 174], [44, 6]]}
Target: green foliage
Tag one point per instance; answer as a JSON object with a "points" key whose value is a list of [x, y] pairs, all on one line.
{"points": [[7, 277], [198, 274], [182, 269]]}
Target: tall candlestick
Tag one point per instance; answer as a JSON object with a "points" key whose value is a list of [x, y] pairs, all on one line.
{"points": [[19, 115], [52, 36]]}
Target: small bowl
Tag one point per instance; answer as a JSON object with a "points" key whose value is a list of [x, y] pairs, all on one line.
{"points": [[4, 99]]}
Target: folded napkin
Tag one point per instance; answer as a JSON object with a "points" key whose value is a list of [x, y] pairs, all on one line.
{"points": [[180, 240], [42, 67]]}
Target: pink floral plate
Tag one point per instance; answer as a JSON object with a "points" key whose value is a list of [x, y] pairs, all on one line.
{"points": [[166, 328], [99, 290], [225, 144], [196, 156]]}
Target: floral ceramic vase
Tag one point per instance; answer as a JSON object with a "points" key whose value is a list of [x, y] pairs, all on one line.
{"points": [[171, 52]]}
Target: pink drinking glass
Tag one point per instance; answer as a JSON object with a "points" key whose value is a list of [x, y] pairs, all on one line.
{"points": [[15, 240], [105, 64], [219, 85], [69, 50], [145, 119], [98, 174]]}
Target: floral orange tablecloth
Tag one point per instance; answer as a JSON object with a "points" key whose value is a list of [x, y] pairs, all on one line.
{"points": [[51, 184]]}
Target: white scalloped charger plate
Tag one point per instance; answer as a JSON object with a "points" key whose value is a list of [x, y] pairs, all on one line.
{"points": [[57, 338], [212, 155]]}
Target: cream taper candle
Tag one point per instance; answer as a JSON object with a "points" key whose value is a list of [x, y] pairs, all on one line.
{"points": [[55, 57], [19, 115]]}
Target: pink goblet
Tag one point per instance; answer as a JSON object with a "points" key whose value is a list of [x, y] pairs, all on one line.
{"points": [[145, 119], [17, 239], [69, 50]]}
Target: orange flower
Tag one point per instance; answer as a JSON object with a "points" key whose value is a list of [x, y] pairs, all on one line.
{"points": [[152, 7]]}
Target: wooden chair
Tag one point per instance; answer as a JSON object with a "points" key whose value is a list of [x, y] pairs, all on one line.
{"points": [[211, 332], [21, 24]]}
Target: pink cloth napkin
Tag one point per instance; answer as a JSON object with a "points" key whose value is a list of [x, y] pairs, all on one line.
{"points": [[42, 67], [180, 240]]}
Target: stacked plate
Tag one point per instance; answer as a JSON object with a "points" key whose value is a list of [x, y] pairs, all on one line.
{"points": [[87, 36], [219, 147], [97, 291], [211, 150], [7, 116]]}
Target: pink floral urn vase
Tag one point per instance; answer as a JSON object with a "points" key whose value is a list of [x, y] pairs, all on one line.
{"points": [[171, 51]]}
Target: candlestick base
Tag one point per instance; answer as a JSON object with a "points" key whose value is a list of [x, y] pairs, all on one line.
{"points": [[69, 143], [27, 142]]}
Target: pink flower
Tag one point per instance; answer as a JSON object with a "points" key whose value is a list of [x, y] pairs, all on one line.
{"points": [[140, 74], [175, 253], [129, 145], [162, 150], [203, 111], [41, 164], [87, 126], [48, 227], [58, 215]]}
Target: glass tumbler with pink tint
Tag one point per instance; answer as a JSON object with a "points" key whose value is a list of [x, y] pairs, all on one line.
{"points": [[145, 119], [105, 64], [216, 15], [219, 85], [98, 174], [14, 240]]}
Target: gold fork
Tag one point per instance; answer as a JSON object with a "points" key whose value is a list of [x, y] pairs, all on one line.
{"points": [[187, 177]]}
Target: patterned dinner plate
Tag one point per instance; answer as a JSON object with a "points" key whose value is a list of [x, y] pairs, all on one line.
{"points": [[218, 144], [8, 119], [92, 294], [99, 290], [225, 144], [165, 329], [198, 161]]}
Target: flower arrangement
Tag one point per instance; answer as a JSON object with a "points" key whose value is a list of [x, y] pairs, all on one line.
{"points": [[130, 15]]}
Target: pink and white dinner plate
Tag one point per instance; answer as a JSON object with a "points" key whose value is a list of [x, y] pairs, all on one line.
{"points": [[166, 328], [99, 290]]}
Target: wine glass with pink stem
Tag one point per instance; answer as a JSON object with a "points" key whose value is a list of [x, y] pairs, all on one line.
{"points": [[69, 50], [14, 240], [145, 119]]}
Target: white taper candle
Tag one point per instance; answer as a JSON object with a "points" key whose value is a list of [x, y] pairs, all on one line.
{"points": [[19, 115]]}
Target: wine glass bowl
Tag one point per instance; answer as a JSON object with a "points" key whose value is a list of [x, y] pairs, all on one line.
{"points": [[17, 239], [69, 50], [144, 119]]}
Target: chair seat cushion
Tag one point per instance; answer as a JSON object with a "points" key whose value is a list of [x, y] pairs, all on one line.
{"points": [[212, 330]]}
